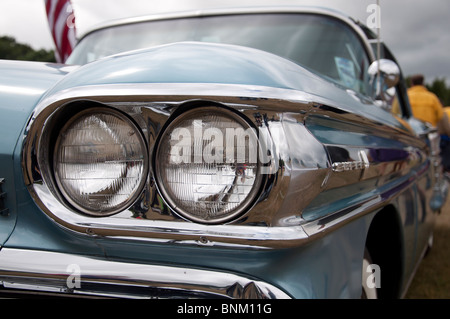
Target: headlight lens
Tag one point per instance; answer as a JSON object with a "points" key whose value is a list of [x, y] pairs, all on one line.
{"points": [[207, 165], [100, 161]]}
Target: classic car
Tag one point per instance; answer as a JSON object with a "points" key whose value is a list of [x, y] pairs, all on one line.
{"points": [[232, 153]]}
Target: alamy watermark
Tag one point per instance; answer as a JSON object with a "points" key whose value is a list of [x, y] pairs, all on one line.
{"points": [[373, 21], [74, 278], [220, 145], [373, 280]]}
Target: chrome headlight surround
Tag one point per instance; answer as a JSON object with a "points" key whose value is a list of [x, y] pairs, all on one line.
{"points": [[99, 163], [152, 109], [200, 168]]}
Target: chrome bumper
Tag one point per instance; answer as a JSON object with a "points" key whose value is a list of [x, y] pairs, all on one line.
{"points": [[72, 274]]}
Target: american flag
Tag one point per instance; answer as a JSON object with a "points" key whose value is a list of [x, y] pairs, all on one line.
{"points": [[61, 20]]}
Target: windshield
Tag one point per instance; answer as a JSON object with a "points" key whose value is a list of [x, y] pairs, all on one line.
{"points": [[320, 43]]}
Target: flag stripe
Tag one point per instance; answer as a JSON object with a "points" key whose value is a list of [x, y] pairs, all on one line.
{"points": [[62, 27]]}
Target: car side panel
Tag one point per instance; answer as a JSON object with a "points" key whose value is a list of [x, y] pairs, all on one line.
{"points": [[399, 171]]}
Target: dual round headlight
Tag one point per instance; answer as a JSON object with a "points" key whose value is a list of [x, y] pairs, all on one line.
{"points": [[206, 163], [100, 161]]}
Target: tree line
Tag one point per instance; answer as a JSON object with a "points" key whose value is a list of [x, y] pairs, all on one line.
{"points": [[12, 50], [440, 88]]}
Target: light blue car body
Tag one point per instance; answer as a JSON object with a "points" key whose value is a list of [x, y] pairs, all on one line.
{"points": [[328, 266]]}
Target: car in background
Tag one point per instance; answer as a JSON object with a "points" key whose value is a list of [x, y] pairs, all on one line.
{"points": [[232, 153]]}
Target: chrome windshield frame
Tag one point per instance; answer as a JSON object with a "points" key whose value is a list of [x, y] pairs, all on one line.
{"points": [[240, 11]]}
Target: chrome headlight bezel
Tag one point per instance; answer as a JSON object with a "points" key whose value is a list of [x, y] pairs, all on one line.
{"points": [[150, 218], [165, 191], [48, 157]]}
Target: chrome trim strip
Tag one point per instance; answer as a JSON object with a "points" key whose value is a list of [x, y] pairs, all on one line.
{"points": [[339, 218], [170, 231], [371, 204], [362, 164], [65, 273], [179, 92]]}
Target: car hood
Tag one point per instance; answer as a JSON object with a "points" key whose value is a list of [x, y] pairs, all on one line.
{"points": [[198, 62], [212, 63]]}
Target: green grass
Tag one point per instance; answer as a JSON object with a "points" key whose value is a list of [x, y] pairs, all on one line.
{"points": [[432, 280]]}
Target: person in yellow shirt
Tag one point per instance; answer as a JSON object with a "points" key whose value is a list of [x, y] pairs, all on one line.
{"points": [[425, 105]]}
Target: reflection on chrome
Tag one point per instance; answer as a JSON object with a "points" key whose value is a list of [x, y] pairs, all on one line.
{"points": [[54, 272]]}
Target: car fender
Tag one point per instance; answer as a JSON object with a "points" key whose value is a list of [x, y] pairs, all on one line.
{"points": [[22, 84]]}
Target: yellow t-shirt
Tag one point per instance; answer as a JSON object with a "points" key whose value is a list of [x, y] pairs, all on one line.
{"points": [[425, 105]]}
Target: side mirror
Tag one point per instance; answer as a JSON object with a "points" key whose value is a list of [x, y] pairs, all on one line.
{"points": [[384, 74]]}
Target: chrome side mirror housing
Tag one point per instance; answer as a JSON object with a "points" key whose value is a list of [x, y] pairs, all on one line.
{"points": [[384, 75]]}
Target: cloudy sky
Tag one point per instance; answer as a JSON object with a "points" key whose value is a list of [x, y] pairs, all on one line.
{"points": [[416, 31]]}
